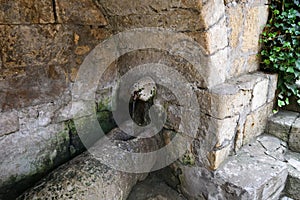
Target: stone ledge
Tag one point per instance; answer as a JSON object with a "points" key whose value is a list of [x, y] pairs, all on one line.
{"points": [[280, 124]]}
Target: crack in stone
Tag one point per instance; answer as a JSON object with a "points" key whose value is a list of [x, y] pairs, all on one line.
{"points": [[54, 10]]}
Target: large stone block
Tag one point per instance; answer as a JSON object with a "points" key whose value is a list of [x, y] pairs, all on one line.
{"points": [[216, 138], [256, 18], [254, 173], [179, 20], [294, 139], [121, 8], [280, 124], [235, 15], [215, 40], [34, 45], [256, 122], [84, 12], [223, 101], [212, 12], [26, 12], [9, 122]]}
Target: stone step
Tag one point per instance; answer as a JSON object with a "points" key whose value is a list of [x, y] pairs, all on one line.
{"points": [[258, 171], [292, 188], [286, 126]]}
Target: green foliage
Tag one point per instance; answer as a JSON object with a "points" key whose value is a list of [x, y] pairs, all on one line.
{"points": [[281, 48]]}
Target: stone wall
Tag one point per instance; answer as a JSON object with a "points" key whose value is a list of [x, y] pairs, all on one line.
{"points": [[43, 44]]}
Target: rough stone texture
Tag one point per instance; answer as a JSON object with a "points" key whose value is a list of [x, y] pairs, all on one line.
{"points": [[83, 12], [43, 44], [256, 123], [256, 18], [87, 177], [260, 94], [256, 172], [9, 123], [153, 188], [294, 140], [280, 124], [84, 178], [292, 188], [26, 12]]}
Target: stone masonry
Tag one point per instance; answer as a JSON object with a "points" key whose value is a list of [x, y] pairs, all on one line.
{"points": [[43, 43]]}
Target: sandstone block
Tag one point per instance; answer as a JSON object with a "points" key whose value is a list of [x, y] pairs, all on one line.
{"points": [[26, 12], [216, 41], [216, 139], [83, 12], [9, 122], [260, 94], [280, 124], [235, 14], [211, 12], [294, 140], [252, 174], [223, 101], [256, 122], [35, 45], [121, 8], [179, 20], [256, 18]]}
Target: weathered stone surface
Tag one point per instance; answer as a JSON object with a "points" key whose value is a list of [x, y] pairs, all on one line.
{"points": [[86, 178], [224, 100], [121, 8], [42, 84], [292, 187], [212, 12], [256, 122], [260, 94], [280, 124], [256, 172], [256, 18], [253, 174], [294, 139], [83, 12], [215, 39], [216, 138], [252, 63], [273, 78], [179, 20], [35, 45], [9, 123], [26, 12], [235, 15], [37, 147], [153, 188]]}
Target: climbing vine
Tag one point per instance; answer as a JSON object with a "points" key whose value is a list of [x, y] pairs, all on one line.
{"points": [[281, 48]]}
